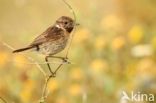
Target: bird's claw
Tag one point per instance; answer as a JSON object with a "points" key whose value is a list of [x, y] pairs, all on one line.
{"points": [[65, 60]]}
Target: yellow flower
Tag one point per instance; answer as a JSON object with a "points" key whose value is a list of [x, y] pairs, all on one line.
{"points": [[3, 59], [81, 35], [76, 73], [75, 89], [61, 100], [146, 68], [111, 22], [20, 61], [135, 34], [118, 43], [26, 92], [99, 65], [53, 85], [100, 42]]}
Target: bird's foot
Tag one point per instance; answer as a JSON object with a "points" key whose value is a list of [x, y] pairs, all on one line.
{"points": [[65, 60]]}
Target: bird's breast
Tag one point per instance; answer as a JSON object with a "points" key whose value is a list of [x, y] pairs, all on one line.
{"points": [[53, 47]]}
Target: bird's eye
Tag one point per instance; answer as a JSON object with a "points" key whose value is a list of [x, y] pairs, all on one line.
{"points": [[65, 22]]}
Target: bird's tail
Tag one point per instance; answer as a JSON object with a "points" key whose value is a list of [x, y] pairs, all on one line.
{"points": [[22, 49]]}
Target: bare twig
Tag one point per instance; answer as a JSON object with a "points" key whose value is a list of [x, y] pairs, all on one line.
{"points": [[45, 63], [72, 35], [37, 64], [29, 58], [47, 79], [44, 94], [3, 100]]}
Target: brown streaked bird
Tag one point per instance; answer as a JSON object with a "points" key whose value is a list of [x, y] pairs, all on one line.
{"points": [[53, 40]]}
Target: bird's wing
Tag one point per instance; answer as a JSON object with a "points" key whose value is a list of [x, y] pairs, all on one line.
{"points": [[52, 33]]}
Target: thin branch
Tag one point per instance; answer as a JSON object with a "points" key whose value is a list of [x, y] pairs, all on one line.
{"points": [[72, 35], [3, 100], [29, 58], [37, 64], [58, 68], [47, 79], [71, 9], [44, 94], [7, 45], [46, 63]]}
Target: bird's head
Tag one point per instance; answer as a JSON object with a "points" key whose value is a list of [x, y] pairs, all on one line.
{"points": [[66, 22]]}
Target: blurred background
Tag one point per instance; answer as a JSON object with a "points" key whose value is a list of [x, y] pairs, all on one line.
{"points": [[113, 50]]}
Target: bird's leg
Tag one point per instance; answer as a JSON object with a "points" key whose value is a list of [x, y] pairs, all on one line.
{"points": [[64, 60], [52, 73], [58, 68]]}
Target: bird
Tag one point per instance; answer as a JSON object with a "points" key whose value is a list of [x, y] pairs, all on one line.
{"points": [[53, 40]]}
